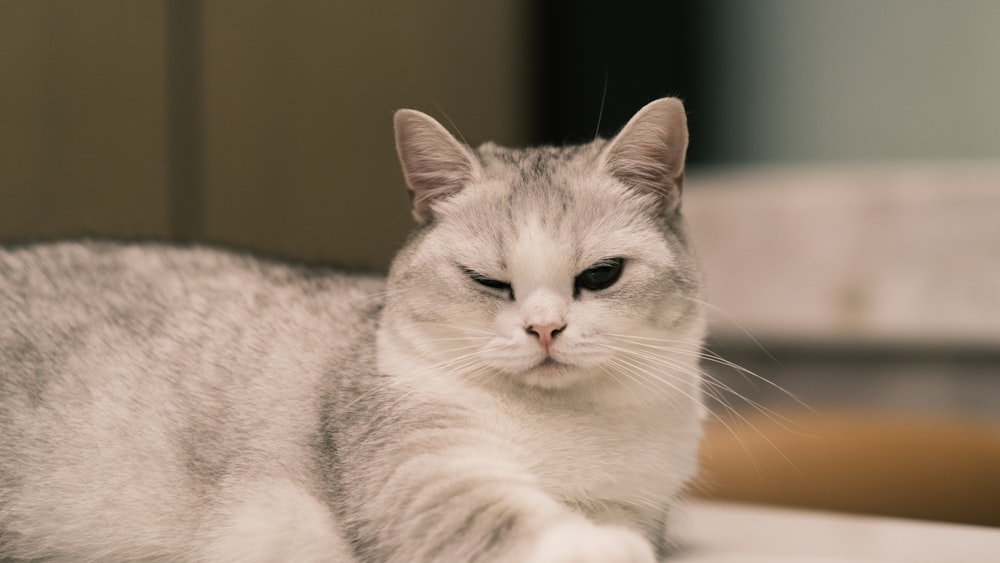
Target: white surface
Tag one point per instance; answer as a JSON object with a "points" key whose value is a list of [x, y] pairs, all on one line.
{"points": [[733, 533]]}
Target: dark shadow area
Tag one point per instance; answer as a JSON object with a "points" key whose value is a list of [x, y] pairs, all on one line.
{"points": [[597, 63]]}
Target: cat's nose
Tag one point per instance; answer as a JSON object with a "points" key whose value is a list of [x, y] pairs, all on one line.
{"points": [[545, 332]]}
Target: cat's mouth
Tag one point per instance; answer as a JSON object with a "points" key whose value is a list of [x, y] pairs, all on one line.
{"points": [[553, 374], [550, 364]]}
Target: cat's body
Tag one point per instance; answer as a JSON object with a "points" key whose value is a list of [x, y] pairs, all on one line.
{"points": [[523, 387]]}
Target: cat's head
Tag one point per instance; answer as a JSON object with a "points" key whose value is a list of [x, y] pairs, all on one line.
{"points": [[548, 267]]}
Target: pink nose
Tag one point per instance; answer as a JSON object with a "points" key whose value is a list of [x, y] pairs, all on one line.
{"points": [[545, 332]]}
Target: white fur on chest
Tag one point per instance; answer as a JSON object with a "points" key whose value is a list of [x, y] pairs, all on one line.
{"points": [[639, 457]]}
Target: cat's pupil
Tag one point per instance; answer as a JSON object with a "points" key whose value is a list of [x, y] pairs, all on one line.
{"points": [[601, 276]]}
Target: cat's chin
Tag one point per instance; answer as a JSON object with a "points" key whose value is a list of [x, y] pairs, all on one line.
{"points": [[550, 363], [553, 374]]}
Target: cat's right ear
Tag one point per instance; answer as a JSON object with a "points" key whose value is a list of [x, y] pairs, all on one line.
{"points": [[434, 163], [648, 154]]}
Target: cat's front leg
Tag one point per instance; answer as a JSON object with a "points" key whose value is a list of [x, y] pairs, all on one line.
{"points": [[453, 506]]}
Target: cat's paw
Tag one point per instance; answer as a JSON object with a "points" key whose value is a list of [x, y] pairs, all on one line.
{"points": [[585, 542]]}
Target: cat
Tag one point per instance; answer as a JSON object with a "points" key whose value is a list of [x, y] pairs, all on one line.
{"points": [[523, 386]]}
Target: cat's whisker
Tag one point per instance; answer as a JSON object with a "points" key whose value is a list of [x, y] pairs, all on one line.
{"points": [[600, 113], [474, 340], [661, 387], [454, 126], [673, 365], [654, 377], [448, 346], [655, 339], [457, 346], [733, 320], [631, 375], [642, 377], [711, 357], [439, 372], [752, 376], [710, 413], [460, 328], [711, 380], [452, 365]]}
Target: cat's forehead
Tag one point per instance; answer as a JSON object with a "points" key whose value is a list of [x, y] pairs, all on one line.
{"points": [[552, 199], [537, 164], [552, 181], [556, 186]]}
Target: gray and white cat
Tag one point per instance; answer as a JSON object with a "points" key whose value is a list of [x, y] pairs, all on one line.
{"points": [[523, 387]]}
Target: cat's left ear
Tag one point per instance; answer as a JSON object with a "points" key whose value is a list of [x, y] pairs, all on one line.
{"points": [[648, 153], [434, 163]]}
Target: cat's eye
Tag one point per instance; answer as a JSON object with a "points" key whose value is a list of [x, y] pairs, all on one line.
{"points": [[599, 276], [489, 282]]}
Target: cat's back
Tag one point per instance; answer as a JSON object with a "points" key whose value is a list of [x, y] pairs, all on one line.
{"points": [[94, 277], [157, 371], [103, 313], [127, 303], [67, 283]]}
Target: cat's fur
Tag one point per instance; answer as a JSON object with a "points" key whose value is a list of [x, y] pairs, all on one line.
{"points": [[194, 404]]}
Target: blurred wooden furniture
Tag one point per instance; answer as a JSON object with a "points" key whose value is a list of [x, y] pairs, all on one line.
{"points": [[906, 466]]}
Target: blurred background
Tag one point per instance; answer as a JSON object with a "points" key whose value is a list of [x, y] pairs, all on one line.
{"points": [[843, 191]]}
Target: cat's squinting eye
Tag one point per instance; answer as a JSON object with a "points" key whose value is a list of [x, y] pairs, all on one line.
{"points": [[600, 276], [489, 282]]}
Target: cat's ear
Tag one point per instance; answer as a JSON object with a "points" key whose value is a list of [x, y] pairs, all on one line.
{"points": [[434, 163], [648, 153]]}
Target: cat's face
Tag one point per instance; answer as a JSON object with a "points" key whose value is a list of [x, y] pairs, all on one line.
{"points": [[543, 267]]}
